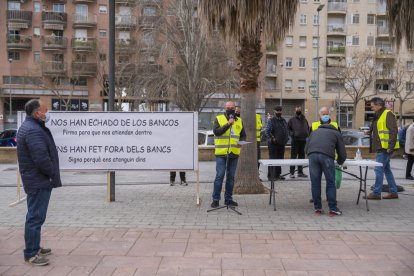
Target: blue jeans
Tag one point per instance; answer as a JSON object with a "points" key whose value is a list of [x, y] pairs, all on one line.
{"points": [[37, 203], [320, 163], [230, 171], [384, 158]]}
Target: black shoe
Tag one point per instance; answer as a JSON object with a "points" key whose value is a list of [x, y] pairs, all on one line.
{"points": [[292, 175], [280, 177], [302, 175], [318, 211], [334, 213], [410, 177], [215, 204], [231, 203]]}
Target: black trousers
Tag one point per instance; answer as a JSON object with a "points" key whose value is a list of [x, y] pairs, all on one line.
{"points": [[173, 174], [275, 152], [410, 163], [297, 151], [258, 154]]}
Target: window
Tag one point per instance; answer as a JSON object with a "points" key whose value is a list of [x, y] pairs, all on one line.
{"points": [[102, 57], [410, 65], [355, 40], [356, 1], [302, 41], [36, 31], [14, 55], [303, 1], [288, 62], [315, 42], [370, 41], [302, 19], [102, 33], [149, 11], [371, 19], [171, 11], [316, 1], [58, 7], [37, 7], [355, 18], [270, 83], [315, 19], [301, 84], [302, 62], [149, 39], [13, 6], [288, 84], [289, 40], [103, 9], [409, 86], [314, 63], [36, 56]]}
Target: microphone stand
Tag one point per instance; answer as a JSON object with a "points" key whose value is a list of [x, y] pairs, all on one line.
{"points": [[229, 207]]}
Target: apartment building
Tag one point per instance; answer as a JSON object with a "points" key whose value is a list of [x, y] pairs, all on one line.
{"points": [[290, 70]]}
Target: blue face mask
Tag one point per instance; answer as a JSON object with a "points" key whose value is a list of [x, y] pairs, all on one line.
{"points": [[47, 117], [325, 118]]}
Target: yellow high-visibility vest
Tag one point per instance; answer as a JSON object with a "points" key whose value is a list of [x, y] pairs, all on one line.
{"points": [[316, 125], [227, 142], [259, 126], [384, 132]]}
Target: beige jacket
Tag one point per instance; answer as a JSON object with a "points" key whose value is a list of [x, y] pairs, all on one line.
{"points": [[409, 140]]}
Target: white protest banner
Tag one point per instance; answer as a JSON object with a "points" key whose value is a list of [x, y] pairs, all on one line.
{"points": [[126, 140]]}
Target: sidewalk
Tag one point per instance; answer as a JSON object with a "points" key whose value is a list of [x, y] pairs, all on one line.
{"points": [[155, 229]]}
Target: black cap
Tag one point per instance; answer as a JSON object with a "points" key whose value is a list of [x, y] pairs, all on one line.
{"points": [[278, 108]]}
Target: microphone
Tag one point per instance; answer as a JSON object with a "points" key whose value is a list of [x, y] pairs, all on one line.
{"points": [[231, 116]]}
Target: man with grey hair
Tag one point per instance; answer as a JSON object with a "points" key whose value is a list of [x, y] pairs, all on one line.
{"points": [[39, 168], [383, 132]]}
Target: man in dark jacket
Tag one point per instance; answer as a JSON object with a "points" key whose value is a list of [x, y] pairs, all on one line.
{"points": [[321, 147], [298, 130], [277, 136], [383, 142], [39, 169]]}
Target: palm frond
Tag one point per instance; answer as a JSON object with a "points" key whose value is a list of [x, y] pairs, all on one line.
{"points": [[401, 18]]}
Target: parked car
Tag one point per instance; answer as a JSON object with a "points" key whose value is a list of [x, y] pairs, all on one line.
{"points": [[205, 138], [356, 139], [8, 138], [364, 129]]}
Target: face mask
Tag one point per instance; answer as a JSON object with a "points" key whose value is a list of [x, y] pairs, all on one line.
{"points": [[325, 118], [237, 114], [298, 113], [278, 114], [229, 112]]}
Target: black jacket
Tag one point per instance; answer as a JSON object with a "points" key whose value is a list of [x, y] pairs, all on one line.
{"points": [[277, 128], [298, 128], [37, 156], [218, 131], [327, 140]]}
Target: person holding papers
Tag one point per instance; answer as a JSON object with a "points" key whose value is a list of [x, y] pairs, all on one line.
{"points": [[322, 144], [228, 131]]}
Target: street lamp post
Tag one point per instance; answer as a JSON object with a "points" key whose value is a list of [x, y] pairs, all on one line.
{"points": [[320, 7], [10, 94], [281, 89]]}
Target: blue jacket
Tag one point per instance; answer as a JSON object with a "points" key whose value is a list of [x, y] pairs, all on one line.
{"points": [[37, 156]]}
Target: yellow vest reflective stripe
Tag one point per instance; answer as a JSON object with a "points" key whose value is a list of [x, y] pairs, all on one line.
{"points": [[316, 125], [227, 142], [384, 132], [259, 126]]}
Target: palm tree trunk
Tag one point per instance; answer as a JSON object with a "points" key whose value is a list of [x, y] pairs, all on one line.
{"points": [[247, 175]]}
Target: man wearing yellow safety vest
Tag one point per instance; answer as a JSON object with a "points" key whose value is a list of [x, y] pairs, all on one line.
{"points": [[228, 131], [384, 140], [324, 119], [259, 126]]}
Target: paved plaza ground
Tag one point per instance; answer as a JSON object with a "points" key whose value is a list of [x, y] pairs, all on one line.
{"points": [[155, 229]]}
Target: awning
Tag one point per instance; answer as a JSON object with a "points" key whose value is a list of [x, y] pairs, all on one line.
{"points": [[53, 26], [17, 26]]}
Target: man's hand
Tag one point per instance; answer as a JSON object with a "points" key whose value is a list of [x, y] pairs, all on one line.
{"points": [[390, 151], [231, 121], [274, 140]]}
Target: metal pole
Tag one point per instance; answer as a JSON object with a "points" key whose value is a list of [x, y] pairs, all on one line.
{"points": [[281, 89], [339, 108], [317, 74], [111, 80], [10, 94]]}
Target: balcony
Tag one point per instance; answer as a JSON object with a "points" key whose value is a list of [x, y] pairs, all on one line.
{"points": [[125, 45], [54, 20], [333, 72], [54, 43], [54, 68], [385, 74], [150, 50], [271, 71], [125, 69], [83, 44], [125, 21], [148, 22], [86, 20], [337, 7], [19, 42], [385, 52], [335, 51], [19, 19], [84, 69], [126, 2], [338, 29], [383, 31], [381, 10]]}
